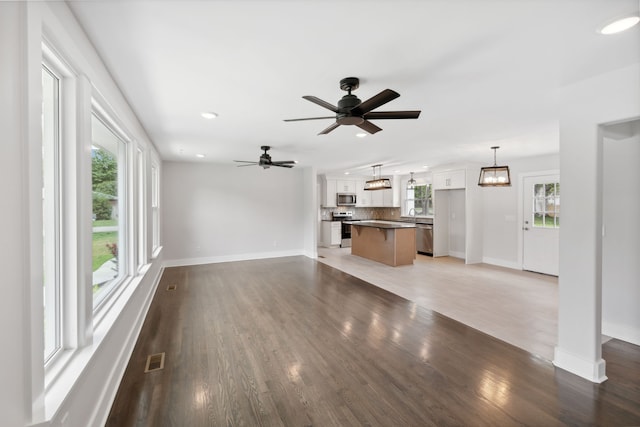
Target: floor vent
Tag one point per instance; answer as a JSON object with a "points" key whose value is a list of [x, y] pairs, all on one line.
{"points": [[172, 287], [155, 362]]}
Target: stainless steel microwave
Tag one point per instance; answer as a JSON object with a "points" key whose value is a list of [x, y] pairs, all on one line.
{"points": [[346, 199]]}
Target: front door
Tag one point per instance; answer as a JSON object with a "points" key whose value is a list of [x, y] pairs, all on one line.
{"points": [[541, 224]]}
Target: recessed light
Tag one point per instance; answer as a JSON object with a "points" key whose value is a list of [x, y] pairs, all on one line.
{"points": [[620, 25], [361, 134], [425, 167], [397, 171], [201, 156], [347, 173], [209, 115]]}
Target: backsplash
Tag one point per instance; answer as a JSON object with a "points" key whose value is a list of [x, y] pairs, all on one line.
{"points": [[363, 213]]}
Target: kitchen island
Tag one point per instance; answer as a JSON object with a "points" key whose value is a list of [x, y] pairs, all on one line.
{"points": [[389, 242]]}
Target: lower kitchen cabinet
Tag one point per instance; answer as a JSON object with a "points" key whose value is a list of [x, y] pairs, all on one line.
{"points": [[331, 233]]}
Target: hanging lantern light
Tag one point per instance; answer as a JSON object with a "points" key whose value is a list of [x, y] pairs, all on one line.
{"points": [[494, 176], [411, 184]]}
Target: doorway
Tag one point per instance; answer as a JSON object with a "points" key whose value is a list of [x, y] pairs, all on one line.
{"points": [[541, 224]]}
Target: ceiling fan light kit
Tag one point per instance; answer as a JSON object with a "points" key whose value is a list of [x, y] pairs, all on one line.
{"points": [[379, 183], [494, 176], [352, 111]]}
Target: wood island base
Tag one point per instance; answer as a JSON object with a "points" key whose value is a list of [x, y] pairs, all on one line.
{"points": [[389, 245]]}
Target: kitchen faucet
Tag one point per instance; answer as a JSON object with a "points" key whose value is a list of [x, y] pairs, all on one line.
{"points": [[414, 213]]}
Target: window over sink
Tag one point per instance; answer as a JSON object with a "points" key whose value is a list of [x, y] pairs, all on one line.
{"points": [[419, 201]]}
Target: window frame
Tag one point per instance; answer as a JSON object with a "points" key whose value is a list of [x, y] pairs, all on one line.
{"points": [[51, 219], [125, 218], [428, 201]]}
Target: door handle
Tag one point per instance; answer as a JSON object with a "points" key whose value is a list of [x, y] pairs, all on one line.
{"points": [[525, 228]]}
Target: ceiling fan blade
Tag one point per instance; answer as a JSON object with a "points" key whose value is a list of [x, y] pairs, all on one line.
{"points": [[310, 118], [329, 129], [369, 127], [375, 101], [245, 161], [284, 162], [321, 103], [380, 115], [248, 164], [282, 166]]}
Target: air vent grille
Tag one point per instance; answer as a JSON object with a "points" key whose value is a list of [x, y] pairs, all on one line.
{"points": [[155, 362]]}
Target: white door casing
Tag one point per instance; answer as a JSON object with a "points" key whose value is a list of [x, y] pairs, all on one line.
{"points": [[540, 224]]}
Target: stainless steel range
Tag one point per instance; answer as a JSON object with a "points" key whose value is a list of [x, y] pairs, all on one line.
{"points": [[345, 242]]}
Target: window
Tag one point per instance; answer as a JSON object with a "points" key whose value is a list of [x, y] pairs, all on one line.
{"points": [[51, 212], [141, 207], [419, 201], [108, 161], [546, 205], [155, 215]]}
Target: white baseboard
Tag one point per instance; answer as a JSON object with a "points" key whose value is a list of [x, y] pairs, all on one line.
{"points": [[101, 412], [456, 254], [231, 258], [501, 263], [621, 332], [593, 371]]}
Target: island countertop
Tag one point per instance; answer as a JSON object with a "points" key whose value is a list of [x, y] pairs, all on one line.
{"points": [[390, 225]]}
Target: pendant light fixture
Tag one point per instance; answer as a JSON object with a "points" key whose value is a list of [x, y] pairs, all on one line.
{"points": [[378, 183], [411, 184], [494, 176]]}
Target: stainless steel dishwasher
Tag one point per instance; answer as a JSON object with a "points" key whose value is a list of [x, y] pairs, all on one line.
{"points": [[424, 239]]}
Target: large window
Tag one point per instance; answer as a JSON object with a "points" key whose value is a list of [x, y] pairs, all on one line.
{"points": [[51, 212], [108, 160], [419, 201]]}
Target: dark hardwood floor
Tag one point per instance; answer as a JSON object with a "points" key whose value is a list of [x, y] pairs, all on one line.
{"points": [[293, 342]]}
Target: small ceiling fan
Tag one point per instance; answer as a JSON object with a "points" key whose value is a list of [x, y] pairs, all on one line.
{"points": [[266, 162], [352, 111]]}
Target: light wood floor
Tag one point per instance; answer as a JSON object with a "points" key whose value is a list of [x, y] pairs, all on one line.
{"points": [[294, 342], [518, 307]]}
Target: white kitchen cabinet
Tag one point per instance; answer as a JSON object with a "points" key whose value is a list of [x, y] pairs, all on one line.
{"points": [[363, 198], [329, 192], [449, 180], [331, 233], [346, 186]]}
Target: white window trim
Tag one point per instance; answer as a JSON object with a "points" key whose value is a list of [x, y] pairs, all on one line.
{"points": [[101, 110]]}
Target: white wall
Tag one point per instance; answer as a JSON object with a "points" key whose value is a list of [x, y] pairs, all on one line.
{"points": [[621, 240], [214, 213], [502, 226], [585, 106]]}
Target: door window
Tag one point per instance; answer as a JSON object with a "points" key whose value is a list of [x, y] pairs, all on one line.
{"points": [[546, 205]]}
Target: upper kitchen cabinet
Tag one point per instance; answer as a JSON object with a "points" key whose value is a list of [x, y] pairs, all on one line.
{"points": [[346, 186], [328, 192], [449, 180], [330, 186]]}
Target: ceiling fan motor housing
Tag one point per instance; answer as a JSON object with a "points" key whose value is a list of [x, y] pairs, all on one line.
{"points": [[345, 105]]}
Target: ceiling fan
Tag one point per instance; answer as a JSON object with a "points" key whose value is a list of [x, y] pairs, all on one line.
{"points": [[351, 111], [266, 162]]}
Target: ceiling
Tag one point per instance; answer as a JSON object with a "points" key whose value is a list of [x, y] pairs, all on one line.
{"points": [[483, 72]]}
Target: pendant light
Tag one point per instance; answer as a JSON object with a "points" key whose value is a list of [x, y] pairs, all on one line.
{"points": [[494, 176], [379, 183], [411, 184]]}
